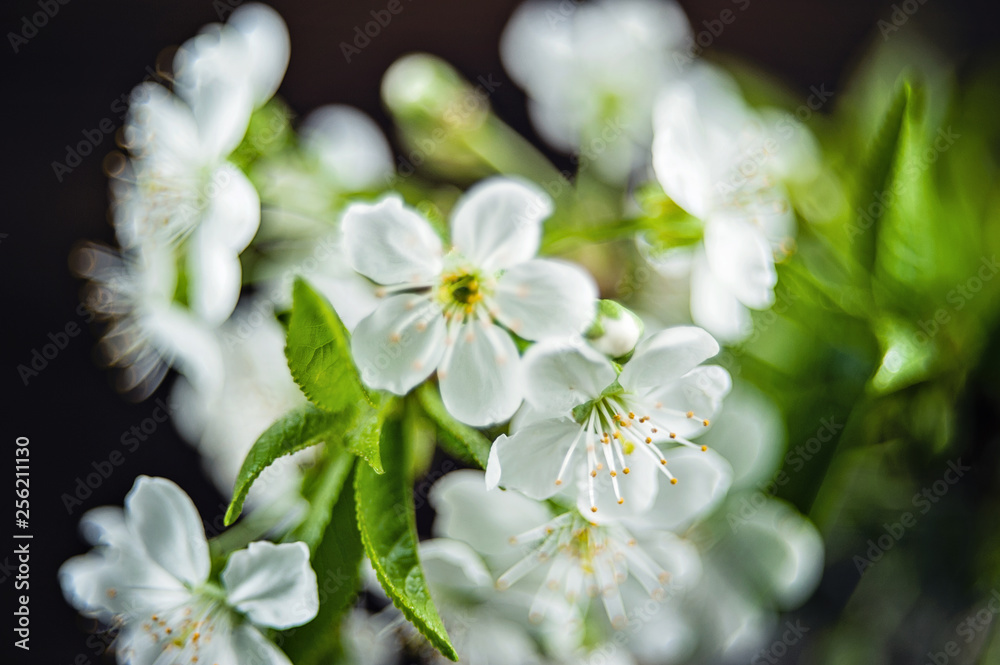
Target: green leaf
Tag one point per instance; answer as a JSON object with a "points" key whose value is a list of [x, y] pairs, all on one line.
{"points": [[877, 175], [467, 442], [337, 563], [294, 431], [363, 439], [322, 493], [319, 353], [388, 528]]}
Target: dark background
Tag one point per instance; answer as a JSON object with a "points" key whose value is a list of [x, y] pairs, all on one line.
{"points": [[66, 79]]}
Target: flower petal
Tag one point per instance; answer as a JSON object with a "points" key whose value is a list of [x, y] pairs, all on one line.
{"points": [[483, 519], [699, 392], [638, 488], [112, 582], [481, 381], [389, 243], [529, 461], [750, 433], [247, 646], [166, 522], [452, 566], [666, 356], [227, 227], [714, 306], [267, 50], [545, 298], [779, 548], [211, 75], [349, 146], [186, 344], [497, 223], [559, 375], [272, 584], [703, 480], [399, 344], [740, 255]]}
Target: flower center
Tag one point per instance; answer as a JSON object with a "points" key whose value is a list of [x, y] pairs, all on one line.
{"points": [[586, 560], [620, 424], [463, 291]]}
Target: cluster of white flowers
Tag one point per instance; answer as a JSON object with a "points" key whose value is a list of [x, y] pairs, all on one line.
{"points": [[608, 474]]}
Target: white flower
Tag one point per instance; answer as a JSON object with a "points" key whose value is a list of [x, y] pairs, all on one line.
{"points": [[149, 578], [767, 562], [147, 332], [561, 560], [349, 146], [441, 311], [585, 422], [720, 162], [592, 72], [178, 188], [257, 389], [484, 626]]}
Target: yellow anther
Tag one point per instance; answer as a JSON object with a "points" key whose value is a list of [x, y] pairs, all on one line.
{"points": [[620, 501], [690, 414], [593, 509], [626, 470], [704, 448], [673, 481], [558, 481], [649, 439], [613, 474], [631, 415], [673, 435]]}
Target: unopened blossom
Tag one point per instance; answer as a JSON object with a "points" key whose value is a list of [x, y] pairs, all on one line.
{"points": [[586, 421], [723, 164], [592, 72], [562, 559], [452, 310], [178, 188], [148, 577]]}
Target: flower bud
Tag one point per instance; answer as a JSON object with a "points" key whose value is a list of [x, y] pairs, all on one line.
{"points": [[424, 87], [615, 331]]}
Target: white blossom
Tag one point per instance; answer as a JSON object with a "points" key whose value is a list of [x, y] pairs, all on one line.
{"points": [[603, 430], [723, 163], [592, 72], [444, 311], [149, 578]]}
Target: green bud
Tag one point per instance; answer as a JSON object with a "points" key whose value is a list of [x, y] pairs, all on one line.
{"points": [[615, 331], [422, 87]]}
